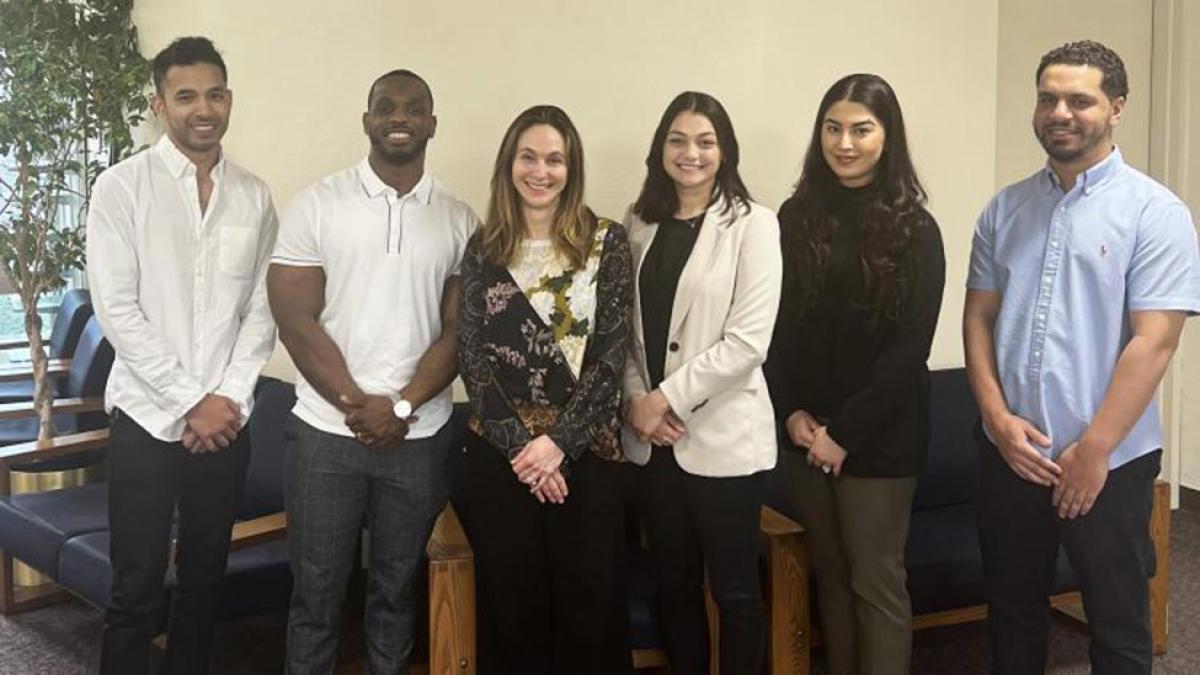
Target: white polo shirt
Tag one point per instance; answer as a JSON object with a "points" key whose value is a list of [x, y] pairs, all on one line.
{"points": [[386, 259]]}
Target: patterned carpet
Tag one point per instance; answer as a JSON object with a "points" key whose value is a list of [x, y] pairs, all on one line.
{"points": [[64, 639]]}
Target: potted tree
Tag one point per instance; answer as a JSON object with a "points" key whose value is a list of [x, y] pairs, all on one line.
{"points": [[72, 86]]}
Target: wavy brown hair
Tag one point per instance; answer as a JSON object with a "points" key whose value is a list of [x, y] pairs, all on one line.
{"points": [[893, 212], [574, 223]]}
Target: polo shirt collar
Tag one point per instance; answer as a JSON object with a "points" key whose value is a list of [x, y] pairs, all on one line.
{"points": [[1093, 177], [179, 164], [374, 186]]}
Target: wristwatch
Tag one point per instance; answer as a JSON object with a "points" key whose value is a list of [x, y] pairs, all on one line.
{"points": [[402, 408]]}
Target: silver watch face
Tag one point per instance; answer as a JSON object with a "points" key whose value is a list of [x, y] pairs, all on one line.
{"points": [[402, 409]]}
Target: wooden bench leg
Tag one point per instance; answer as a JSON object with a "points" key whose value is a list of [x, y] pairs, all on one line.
{"points": [[1160, 532], [14, 599]]}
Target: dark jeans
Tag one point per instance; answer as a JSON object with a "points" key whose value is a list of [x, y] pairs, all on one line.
{"points": [[692, 522], [552, 576], [333, 484], [1110, 550], [148, 480]]}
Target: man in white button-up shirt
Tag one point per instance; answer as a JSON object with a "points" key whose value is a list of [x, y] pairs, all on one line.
{"points": [[364, 285], [179, 239]]}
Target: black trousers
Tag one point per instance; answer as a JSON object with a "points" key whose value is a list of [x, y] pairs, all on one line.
{"points": [[692, 522], [148, 480], [552, 577], [1110, 551]]}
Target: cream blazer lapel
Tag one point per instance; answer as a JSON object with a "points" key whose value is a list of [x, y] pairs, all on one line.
{"points": [[712, 232]]}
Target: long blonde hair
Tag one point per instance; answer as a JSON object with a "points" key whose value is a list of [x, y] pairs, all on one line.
{"points": [[574, 224]]}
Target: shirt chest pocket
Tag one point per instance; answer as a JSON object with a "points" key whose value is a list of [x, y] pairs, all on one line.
{"points": [[238, 251]]}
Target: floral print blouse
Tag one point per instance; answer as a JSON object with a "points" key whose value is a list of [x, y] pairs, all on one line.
{"points": [[542, 347]]}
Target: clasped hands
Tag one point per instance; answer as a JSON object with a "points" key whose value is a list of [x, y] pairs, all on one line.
{"points": [[372, 419], [653, 421], [539, 465], [1077, 477], [212, 424], [806, 431]]}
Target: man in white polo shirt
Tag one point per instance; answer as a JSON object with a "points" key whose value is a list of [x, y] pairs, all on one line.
{"points": [[364, 287], [178, 241]]}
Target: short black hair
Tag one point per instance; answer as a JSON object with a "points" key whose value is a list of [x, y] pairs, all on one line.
{"points": [[186, 51], [400, 72], [1114, 82]]}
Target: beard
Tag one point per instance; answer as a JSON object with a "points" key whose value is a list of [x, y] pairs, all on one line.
{"points": [[398, 156], [1070, 153]]}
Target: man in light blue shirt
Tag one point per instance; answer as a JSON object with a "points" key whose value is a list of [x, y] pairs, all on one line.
{"points": [[1081, 278]]}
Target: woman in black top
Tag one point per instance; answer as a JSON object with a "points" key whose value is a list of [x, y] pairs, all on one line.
{"points": [[863, 276]]}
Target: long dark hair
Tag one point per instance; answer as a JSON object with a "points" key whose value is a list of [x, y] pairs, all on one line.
{"points": [[658, 200], [574, 224], [889, 219]]}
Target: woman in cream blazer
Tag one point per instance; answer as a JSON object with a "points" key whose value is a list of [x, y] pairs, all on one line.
{"points": [[708, 272]]}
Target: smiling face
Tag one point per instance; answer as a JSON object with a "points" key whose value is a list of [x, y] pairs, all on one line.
{"points": [[194, 106], [399, 120], [1074, 118], [691, 153], [852, 141], [539, 168]]}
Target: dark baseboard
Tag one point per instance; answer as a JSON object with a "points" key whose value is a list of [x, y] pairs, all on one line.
{"points": [[1189, 499]]}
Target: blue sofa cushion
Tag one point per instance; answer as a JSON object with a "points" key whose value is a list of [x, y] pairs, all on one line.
{"points": [[257, 579], [263, 492], [945, 569], [22, 390], [951, 472], [643, 601], [35, 525], [945, 566]]}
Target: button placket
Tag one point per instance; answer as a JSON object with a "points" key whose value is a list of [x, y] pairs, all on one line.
{"points": [[1052, 261], [395, 219]]}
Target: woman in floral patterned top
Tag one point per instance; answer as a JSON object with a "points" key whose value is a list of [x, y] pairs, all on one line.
{"points": [[544, 329]]}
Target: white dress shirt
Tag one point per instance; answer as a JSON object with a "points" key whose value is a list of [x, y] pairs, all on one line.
{"points": [[386, 259], [180, 294]]}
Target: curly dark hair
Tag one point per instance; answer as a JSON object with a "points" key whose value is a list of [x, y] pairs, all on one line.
{"points": [[889, 220], [1114, 83]]}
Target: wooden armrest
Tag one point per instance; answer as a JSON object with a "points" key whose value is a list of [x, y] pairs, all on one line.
{"points": [[59, 446], [260, 530], [14, 411], [451, 597], [448, 540], [774, 524], [24, 371], [789, 641]]}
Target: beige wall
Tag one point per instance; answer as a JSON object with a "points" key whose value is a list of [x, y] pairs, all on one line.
{"points": [[1030, 28], [300, 71], [1175, 157]]}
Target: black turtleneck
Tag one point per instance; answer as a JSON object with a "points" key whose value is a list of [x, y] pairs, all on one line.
{"points": [[864, 376]]}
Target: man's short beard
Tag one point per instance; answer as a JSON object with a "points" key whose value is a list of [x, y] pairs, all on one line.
{"points": [[398, 157], [1064, 155]]}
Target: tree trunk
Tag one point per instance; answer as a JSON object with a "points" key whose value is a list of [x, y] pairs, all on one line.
{"points": [[43, 394]]}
